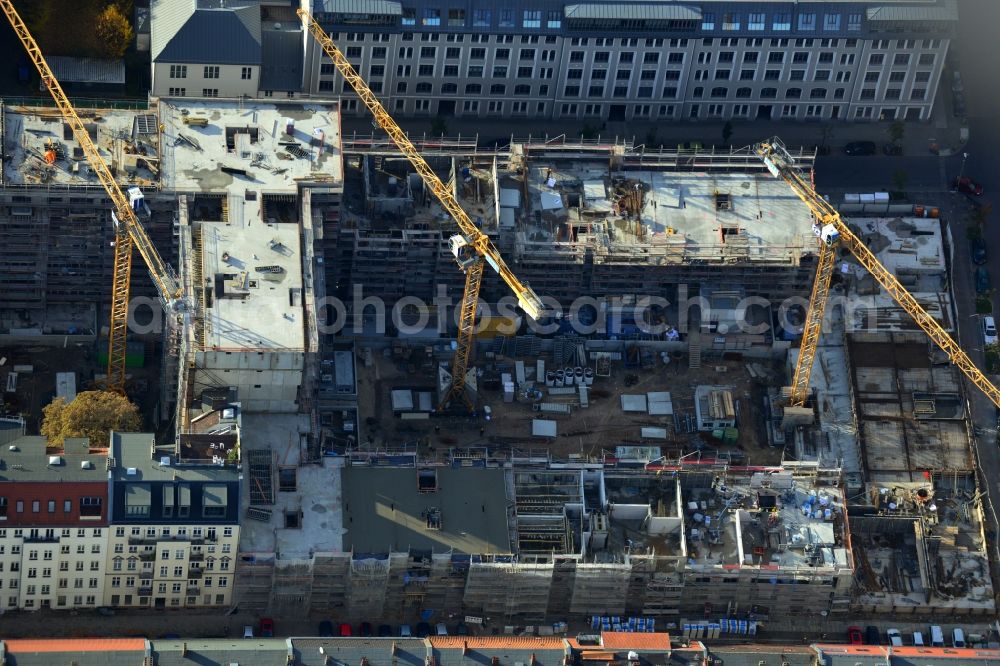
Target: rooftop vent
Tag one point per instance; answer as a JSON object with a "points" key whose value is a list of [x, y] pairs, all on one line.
{"points": [[55, 460], [86, 464], [13, 447], [165, 461], [131, 471]]}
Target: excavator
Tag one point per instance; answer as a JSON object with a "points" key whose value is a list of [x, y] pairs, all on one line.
{"points": [[833, 233], [471, 248]]}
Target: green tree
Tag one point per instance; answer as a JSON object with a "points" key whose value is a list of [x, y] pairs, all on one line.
{"points": [[727, 133], [114, 32], [439, 127], [896, 131], [900, 179], [92, 414]]}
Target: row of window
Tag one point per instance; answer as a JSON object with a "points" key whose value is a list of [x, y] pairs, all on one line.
{"points": [[60, 601], [208, 72], [132, 564], [780, 21], [89, 506], [47, 533], [116, 600], [529, 19], [196, 532], [205, 92]]}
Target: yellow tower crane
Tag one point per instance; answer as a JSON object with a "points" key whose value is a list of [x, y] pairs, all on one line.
{"points": [[833, 233], [472, 248], [128, 230]]}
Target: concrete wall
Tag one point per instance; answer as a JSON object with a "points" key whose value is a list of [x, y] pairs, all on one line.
{"points": [[267, 381]]}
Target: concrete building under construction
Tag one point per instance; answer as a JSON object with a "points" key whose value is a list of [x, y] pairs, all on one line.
{"points": [[531, 544]]}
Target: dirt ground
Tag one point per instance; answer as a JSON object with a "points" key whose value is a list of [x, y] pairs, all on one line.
{"points": [[37, 389], [586, 431]]}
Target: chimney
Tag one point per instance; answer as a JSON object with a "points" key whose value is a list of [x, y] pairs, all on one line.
{"points": [[392, 650], [184, 649], [465, 647], [495, 661], [532, 661], [364, 660]]}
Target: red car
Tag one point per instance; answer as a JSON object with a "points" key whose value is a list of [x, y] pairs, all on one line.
{"points": [[266, 627], [345, 629], [966, 185], [854, 636]]}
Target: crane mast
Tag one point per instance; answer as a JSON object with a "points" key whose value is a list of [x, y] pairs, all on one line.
{"points": [[129, 232], [472, 248], [833, 232]]}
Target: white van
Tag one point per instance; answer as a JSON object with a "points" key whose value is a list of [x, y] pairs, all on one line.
{"points": [[989, 330], [918, 639], [937, 636], [957, 638]]}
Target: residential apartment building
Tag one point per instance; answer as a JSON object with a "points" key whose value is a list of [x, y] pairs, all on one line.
{"points": [[174, 526], [53, 524], [713, 59]]}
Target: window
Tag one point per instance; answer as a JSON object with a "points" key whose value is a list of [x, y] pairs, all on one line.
{"points": [[722, 74], [807, 21], [750, 57], [209, 92], [789, 110], [675, 58], [409, 16], [817, 93], [178, 71], [469, 106], [525, 72], [246, 73], [797, 75], [456, 18], [892, 93], [428, 52], [554, 21], [506, 18], [651, 57], [424, 87], [831, 22], [871, 77], [473, 89], [522, 89], [211, 72], [571, 91], [776, 57], [477, 54], [599, 75], [451, 70], [782, 21], [698, 92], [730, 21], [922, 77], [719, 92], [918, 94], [90, 507], [431, 17], [595, 91], [475, 71], [793, 93], [531, 19], [772, 74], [868, 93], [901, 59], [529, 54], [498, 89], [800, 57], [755, 21], [876, 59], [378, 53], [425, 70], [324, 86], [854, 22], [708, 21], [481, 18]]}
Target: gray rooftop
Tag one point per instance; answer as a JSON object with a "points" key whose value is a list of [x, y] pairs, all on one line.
{"points": [[205, 32], [30, 462], [385, 511], [281, 66], [135, 451], [222, 652], [87, 70]]}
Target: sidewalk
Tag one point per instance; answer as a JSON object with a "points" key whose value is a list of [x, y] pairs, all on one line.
{"points": [[943, 130]]}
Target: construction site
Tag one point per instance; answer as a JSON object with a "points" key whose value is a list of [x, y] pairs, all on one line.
{"points": [[632, 457]]}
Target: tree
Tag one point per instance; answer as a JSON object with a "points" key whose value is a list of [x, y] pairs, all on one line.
{"points": [[92, 414], [896, 131], [899, 180], [727, 133], [114, 32], [439, 127]]}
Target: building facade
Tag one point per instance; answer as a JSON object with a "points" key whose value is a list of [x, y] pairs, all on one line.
{"points": [[53, 525], [619, 61], [174, 527]]}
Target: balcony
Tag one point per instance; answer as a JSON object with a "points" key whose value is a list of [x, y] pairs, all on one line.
{"points": [[145, 591], [193, 589], [147, 555], [196, 557], [41, 539], [195, 573], [145, 575]]}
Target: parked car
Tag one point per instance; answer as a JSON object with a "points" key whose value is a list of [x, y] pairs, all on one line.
{"points": [[423, 630], [442, 630], [957, 638], [872, 635], [365, 629], [982, 280], [405, 631], [266, 627], [325, 629], [895, 638], [892, 149], [247, 631], [860, 148], [345, 629], [977, 250], [918, 639], [966, 185], [854, 636], [937, 636], [384, 630], [989, 330]]}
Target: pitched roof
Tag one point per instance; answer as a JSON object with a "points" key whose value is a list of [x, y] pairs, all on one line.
{"points": [[205, 32], [498, 642], [76, 645], [87, 70], [281, 64], [623, 640]]}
